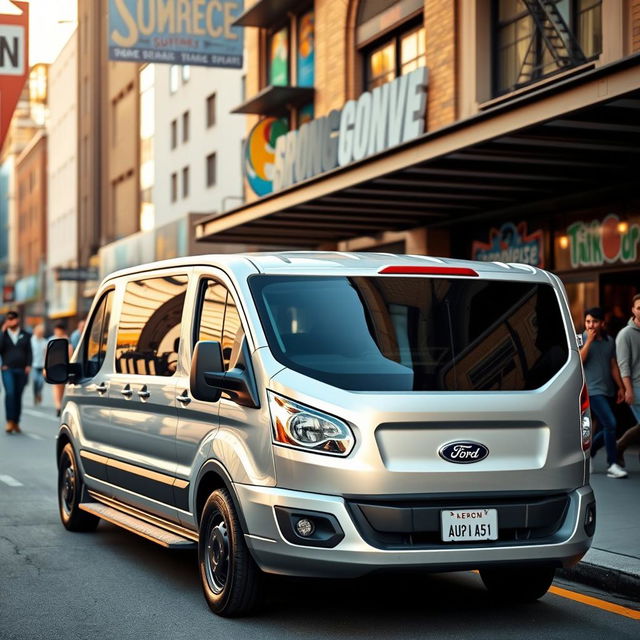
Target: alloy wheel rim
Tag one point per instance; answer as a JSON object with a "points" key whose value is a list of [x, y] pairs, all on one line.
{"points": [[68, 488], [217, 556]]}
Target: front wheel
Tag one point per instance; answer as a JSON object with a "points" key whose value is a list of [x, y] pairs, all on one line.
{"points": [[230, 578], [518, 584], [70, 492]]}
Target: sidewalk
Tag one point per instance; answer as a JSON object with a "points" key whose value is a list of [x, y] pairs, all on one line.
{"points": [[613, 562]]}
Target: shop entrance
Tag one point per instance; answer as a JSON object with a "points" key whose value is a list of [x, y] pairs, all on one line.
{"points": [[616, 292]]}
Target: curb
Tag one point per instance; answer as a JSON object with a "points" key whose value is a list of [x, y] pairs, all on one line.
{"points": [[608, 578]]}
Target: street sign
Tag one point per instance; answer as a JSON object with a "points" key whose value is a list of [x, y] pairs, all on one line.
{"points": [[14, 61], [78, 275]]}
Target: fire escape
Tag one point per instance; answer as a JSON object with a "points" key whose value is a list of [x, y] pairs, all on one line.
{"points": [[551, 35]]}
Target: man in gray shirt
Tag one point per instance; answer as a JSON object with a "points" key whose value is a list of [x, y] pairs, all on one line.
{"points": [[628, 350], [598, 355]]}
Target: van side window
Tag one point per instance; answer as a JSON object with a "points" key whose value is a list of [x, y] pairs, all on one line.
{"points": [[149, 327], [217, 310], [232, 335], [213, 296], [98, 335]]}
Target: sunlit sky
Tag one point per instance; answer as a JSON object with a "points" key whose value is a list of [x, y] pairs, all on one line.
{"points": [[51, 22]]}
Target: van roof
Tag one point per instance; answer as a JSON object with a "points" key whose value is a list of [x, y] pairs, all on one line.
{"points": [[327, 261]]}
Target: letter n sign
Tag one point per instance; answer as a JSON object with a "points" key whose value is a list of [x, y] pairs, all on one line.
{"points": [[14, 62]]}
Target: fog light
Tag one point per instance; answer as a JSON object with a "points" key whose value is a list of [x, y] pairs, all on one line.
{"points": [[590, 519], [304, 527]]}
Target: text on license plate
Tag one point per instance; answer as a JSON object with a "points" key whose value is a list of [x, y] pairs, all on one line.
{"points": [[469, 524]]}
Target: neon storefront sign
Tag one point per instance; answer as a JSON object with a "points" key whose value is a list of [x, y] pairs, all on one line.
{"points": [[595, 243], [511, 243]]}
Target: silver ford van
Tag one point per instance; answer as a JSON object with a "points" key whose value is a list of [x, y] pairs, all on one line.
{"points": [[331, 414]]}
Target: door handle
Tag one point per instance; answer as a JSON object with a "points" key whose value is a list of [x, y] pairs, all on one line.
{"points": [[101, 388], [143, 394], [126, 391], [184, 398]]}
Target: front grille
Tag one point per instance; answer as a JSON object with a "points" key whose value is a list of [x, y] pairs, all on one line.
{"points": [[415, 524]]}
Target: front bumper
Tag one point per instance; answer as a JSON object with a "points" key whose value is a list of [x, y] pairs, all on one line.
{"points": [[354, 555]]}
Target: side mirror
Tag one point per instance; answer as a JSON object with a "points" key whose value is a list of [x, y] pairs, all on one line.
{"points": [[209, 379], [207, 357], [56, 361]]}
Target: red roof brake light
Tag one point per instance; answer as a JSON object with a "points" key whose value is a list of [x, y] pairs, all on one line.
{"points": [[430, 271]]}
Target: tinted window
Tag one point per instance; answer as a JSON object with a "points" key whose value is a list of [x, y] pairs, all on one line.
{"points": [[219, 309], [408, 333], [149, 328], [98, 334], [213, 299], [232, 336]]}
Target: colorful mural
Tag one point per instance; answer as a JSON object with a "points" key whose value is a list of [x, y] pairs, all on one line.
{"points": [[259, 154]]}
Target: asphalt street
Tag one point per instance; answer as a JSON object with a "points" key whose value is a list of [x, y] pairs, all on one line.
{"points": [[112, 584]]}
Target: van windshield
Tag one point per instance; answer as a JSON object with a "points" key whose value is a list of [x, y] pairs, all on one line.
{"points": [[413, 333]]}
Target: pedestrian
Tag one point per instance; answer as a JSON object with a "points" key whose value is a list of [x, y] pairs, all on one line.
{"points": [[39, 351], [628, 349], [15, 350], [75, 335], [604, 384], [59, 331]]}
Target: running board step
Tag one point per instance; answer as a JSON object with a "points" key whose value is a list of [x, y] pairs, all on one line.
{"points": [[135, 525]]}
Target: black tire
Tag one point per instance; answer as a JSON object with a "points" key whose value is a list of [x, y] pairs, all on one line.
{"points": [[231, 580], [518, 584], [70, 492]]}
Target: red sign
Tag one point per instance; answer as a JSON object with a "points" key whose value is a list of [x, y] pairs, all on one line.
{"points": [[14, 62]]}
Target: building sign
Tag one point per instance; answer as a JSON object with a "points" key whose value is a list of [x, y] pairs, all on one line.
{"points": [[77, 274], [595, 243], [385, 117], [511, 243], [259, 154], [197, 32], [8, 293], [14, 61]]}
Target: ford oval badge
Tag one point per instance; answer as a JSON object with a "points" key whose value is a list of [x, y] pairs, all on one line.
{"points": [[463, 452]]}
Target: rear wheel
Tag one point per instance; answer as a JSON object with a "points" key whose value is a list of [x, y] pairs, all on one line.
{"points": [[70, 492], [231, 580], [518, 584]]}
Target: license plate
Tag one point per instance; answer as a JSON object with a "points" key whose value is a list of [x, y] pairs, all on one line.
{"points": [[467, 525]]}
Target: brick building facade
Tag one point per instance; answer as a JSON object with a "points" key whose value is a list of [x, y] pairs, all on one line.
{"points": [[31, 179], [530, 127]]}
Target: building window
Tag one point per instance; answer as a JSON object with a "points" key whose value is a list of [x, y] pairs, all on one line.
{"points": [[186, 73], [395, 55], [174, 134], [185, 126], [211, 110], [211, 169], [174, 187], [174, 78], [280, 52], [530, 45], [185, 182], [306, 50], [279, 57]]}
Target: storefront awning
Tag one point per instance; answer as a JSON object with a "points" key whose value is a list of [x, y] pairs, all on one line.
{"points": [[276, 101], [571, 139], [265, 13]]}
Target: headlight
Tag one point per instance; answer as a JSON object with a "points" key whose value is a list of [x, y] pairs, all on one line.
{"points": [[298, 426]]}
